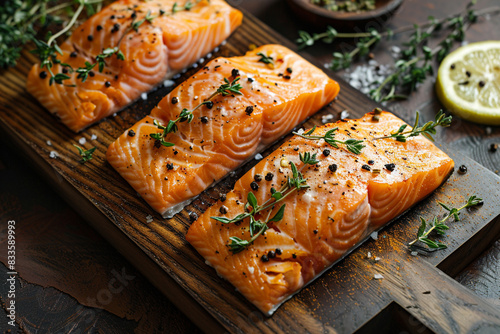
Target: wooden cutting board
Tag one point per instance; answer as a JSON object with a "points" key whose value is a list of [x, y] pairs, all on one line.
{"points": [[416, 294]]}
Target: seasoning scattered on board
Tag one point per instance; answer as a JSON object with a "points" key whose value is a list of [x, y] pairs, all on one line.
{"points": [[161, 45], [322, 222], [223, 134]]}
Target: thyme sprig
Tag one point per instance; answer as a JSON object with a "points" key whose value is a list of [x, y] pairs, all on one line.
{"points": [[427, 130], [83, 72], [438, 226], [257, 227], [85, 154], [353, 145], [225, 89]]}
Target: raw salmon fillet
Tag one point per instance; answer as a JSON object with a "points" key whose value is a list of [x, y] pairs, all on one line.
{"points": [[274, 100], [159, 49], [341, 207]]}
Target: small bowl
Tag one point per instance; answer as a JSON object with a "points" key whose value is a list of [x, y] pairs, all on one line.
{"points": [[345, 21]]}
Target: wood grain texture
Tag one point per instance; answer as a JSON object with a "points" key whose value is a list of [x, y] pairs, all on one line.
{"points": [[342, 300]]}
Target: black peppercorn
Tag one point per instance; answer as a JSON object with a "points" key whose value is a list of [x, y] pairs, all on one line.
{"points": [[43, 75], [287, 77], [264, 258], [73, 54], [467, 73], [222, 197], [371, 162], [65, 70], [326, 152], [289, 69], [170, 166], [90, 38], [390, 167], [91, 73], [481, 83], [175, 100], [235, 72], [269, 176], [99, 27], [204, 119], [452, 66], [257, 177], [493, 147], [131, 133], [162, 12], [333, 168], [271, 254], [249, 110], [134, 15], [278, 251], [315, 231], [366, 167], [107, 84], [223, 209], [462, 169], [249, 79], [209, 104], [294, 256], [254, 185]]}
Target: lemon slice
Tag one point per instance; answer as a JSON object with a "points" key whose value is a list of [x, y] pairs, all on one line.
{"points": [[468, 82]]}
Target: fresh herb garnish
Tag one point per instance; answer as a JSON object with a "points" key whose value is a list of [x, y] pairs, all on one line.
{"points": [[256, 227], [427, 130], [265, 59], [227, 88], [85, 154], [83, 72], [353, 145], [438, 225]]}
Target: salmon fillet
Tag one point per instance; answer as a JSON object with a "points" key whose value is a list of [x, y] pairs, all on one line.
{"points": [[342, 206], [274, 99], [156, 51]]}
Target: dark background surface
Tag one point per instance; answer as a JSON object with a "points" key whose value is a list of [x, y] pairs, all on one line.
{"points": [[72, 280]]}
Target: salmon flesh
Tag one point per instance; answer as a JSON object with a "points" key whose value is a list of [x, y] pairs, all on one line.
{"points": [[165, 42], [348, 197], [275, 97]]}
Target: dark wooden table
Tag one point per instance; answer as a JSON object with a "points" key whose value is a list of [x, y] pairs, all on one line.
{"points": [[73, 281]]}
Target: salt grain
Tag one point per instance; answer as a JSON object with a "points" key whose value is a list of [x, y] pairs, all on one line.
{"points": [[369, 255], [377, 259], [488, 131], [149, 219], [144, 96], [177, 76], [344, 114], [216, 49], [251, 270], [223, 43], [209, 55], [414, 253], [115, 114], [93, 137], [82, 141], [374, 235], [258, 156], [201, 60], [326, 118], [53, 154], [378, 276], [49, 143], [168, 83], [195, 65]]}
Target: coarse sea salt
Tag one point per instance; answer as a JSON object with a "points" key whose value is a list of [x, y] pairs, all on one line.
{"points": [[82, 141], [377, 258], [258, 156], [168, 83], [374, 235], [144, 96], [326, 118], [93, 137], [414, 253], [53, 154], [251, 270], [149, 219], [344, 114], [378, 276], [369, 255], [49, 143]]}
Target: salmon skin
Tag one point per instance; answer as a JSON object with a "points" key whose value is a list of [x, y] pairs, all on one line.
{"points": [[153, 51], [349, 197], [275, 97]]}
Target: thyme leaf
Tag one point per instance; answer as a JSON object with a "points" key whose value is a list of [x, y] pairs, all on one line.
{"points": [[85, 154]]}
